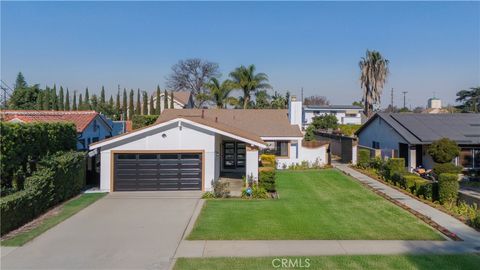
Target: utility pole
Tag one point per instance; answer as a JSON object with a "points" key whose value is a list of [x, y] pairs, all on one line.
{"points": [[404, 99], [301, 95], [391, 100]]}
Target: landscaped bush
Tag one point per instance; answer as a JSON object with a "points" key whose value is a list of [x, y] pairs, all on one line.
{"points": [[58, 178], [363, 159], [394, 165], [267, 178], [447, 188], [139, 121], [443, 150], [440, 168], [424, 188], [267, 160], [221, 189], [22, 145], [256, 193], [349, 129]]}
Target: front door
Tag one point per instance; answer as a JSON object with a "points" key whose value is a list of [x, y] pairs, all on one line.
{"points": [[234, 155]]}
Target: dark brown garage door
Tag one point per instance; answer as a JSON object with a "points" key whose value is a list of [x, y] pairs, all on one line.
{"points": [[149, 171]]}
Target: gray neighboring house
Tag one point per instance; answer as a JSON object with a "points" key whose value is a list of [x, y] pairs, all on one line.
{"points": [[408, 135]]}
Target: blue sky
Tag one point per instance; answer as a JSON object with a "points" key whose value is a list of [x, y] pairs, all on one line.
{"points": [[432, 46]]}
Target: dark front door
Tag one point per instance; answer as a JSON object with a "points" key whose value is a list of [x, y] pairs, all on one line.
{"points": [[234, 155], [403, 152], [157, 171]]}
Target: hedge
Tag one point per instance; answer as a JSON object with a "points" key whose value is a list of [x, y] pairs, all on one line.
{"points": [[394, 165], [22, 145], [268, 160], [363, 159], [449, 167], [447, 188], [139, 121], [267, 178], [58, 178]]}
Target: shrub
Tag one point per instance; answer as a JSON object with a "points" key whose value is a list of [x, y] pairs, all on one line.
{"points": [[476, 221], [58, 178], [267, 178], [440, 168], [398, 179], [220, 189], [139, 121], [325, 122], [423, 188], [267, 160], [443, 150], [208, 195], [410, 180], [22, 145], [256, 193], [394, 165], [447, 188], [349, 129], [363, 159]]}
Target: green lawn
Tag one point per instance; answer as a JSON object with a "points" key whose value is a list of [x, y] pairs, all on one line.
{"points": [[69, 209], [323, 204], [400, 262]]}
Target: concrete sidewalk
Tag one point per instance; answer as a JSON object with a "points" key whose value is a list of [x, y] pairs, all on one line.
{"points": [[264, 248], [463, 231]]}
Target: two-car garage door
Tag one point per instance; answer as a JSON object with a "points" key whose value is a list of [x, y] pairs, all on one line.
{"points": [[157, 171]]}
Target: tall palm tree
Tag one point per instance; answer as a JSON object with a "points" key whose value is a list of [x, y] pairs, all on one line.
{"points": [[374, 69], [246, 79], [219, 92]]}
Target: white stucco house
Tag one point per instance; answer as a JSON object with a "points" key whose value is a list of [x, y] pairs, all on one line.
{"points": [[187, 149], [346, 114]]}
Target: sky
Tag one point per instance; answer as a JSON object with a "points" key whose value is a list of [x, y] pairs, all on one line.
{"points": [[433, 47]]}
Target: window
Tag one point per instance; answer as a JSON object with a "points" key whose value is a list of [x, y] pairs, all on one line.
{"points": [[466, 158], [476, 158], [376, 145], [277, 148]]}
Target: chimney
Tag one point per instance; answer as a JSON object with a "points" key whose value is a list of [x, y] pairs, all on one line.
{"points": [[295, 111]]}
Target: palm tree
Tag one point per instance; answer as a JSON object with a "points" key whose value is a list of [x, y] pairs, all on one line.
{"points": [[219, 92], [374, 70], [470, 99], [245, 78]]}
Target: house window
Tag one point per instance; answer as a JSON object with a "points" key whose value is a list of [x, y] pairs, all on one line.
{"points": [[351, 115], [376, 145], [277, 148], [466, 158]]}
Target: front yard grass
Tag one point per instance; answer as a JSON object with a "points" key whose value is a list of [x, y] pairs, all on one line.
{"points": [[69, 209], [323, 204], [393, 262]]}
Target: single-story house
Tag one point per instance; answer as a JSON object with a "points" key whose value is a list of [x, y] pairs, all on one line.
{"points": [[346, 114], [188, 149], [181, 100], [91, 126], [408, 135]]}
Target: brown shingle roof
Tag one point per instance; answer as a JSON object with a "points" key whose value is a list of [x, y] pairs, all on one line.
{"points": [[262, 122], [182, 96], [81, 119]]}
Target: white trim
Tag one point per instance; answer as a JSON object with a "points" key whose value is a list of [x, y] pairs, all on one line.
{"points": [[281, 138], [180, 120]]}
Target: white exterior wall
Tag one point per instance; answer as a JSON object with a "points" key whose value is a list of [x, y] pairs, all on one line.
{"points": [[309, 114], [378, 130], [184, 137], [298, 153], [176, 105], [252, 164], [295, 113]]}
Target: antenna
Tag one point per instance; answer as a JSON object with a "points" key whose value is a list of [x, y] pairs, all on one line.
{"points": [[404, 100]]}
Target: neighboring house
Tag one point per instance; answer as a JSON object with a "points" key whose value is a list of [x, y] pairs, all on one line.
{"points": [[408, 135], [188, 149], [181, 100], [91, 126], [346, 114]]}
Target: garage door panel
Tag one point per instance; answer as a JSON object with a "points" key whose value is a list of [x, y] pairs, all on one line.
{"points": [[157, 171]]}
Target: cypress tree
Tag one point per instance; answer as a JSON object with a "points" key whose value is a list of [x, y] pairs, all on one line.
{"points": [[145, 103], [54, 99], [111, 106], [165, 100], [67, 101], [46, 99], [61, 98], [171, 100], [130, 105], [94, 102], [74, 101], [117, 106], [102, 97], [138, 106], [40, 100], [87, 100], [152, 109], [158, 111], [80, 102], [124, 104]]}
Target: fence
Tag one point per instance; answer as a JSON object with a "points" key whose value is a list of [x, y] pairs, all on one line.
{"points": [[340, 145]]}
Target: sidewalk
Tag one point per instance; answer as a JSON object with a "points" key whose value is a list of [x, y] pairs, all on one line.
{"points": [[463, 231]]}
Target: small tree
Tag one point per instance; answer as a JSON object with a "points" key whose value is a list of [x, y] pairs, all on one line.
{"points": [[61, 98], [309, 135], [124, 104], [325, 122], [171, 100], [138, 109], [145, 103], [152, 109], [443, 150], [130, 105], [165, 100], [67, 101], [158, 111]]}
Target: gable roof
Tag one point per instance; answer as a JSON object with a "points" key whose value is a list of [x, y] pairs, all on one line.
{"points": [[81, 119], [416, 128], [180, 97], [261, 122]]}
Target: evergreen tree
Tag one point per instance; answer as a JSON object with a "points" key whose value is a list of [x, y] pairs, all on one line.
{"points": [[94, 103], [20, 82], [111, 107], [152, 109], [80, 102], [171, 100], [102, 97], [40, 101], [46, 99], [145, 103], [54, 98], [124, 104], [61, 100], [130, 105], [138, 105], [165, 100], [67, 101], [117, 106], [75, 106], [87, 100], [158, 101]]}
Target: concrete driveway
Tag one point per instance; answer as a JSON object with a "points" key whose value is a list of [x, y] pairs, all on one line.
{"points": [[131, 230]]}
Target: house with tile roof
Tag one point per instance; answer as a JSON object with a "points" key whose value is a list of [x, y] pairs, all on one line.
{"points": [[91, 126], [188, 149]]}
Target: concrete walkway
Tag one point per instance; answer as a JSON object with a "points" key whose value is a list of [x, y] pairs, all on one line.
{"points": [[463, 231]]}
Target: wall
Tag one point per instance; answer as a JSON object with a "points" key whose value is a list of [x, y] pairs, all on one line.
{"points": [[309, 114], [298, 153], [378, 130], [175, 104], [252, 163], [101, 132], [186, 137]]}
